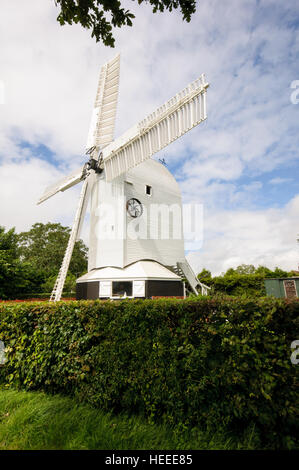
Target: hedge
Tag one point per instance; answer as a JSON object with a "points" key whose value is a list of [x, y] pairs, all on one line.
{"points": [[249, 284], [39, 295], [207, 362]]}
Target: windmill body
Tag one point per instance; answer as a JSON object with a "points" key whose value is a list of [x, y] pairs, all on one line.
{"points": [[117, 238], [120, 241], [136, 244]]}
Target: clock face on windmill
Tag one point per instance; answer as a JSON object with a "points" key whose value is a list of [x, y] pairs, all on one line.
{"points": [[134, 207]]}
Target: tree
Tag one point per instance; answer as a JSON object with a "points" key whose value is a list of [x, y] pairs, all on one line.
{"points": [[69, 285], [30, 261], [15, 277], [242, 269], [205, 277], [101, 15], [8, 244], [8, 255], [43, 246], [245, 279], [245, 269]]}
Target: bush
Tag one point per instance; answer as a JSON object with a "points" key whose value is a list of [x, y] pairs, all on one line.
{"points": [[243, 280], [69, 284], [39, 296], [248, 284], [199, 362]]}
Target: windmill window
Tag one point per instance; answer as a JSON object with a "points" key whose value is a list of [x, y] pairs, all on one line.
{"points": [[148, 190], [122, 288]]}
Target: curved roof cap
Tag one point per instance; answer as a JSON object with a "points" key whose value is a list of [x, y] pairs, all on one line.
{"points": [[150, 171]]}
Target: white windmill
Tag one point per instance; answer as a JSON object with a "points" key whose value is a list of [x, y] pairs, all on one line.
{"points": [[131, 197]]}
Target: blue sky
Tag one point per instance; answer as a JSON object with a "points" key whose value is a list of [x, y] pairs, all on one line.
{"points": [[241, 164]]}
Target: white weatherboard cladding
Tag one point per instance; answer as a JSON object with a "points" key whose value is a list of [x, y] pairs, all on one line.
{"points": [[156, 221], [110, 246], [107, 224]]}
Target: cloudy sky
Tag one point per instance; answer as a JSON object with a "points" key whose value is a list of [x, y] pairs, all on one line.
{"points": [[241, 164]]}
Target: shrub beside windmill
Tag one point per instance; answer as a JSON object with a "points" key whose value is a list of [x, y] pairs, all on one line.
{"points": [[136, 245]]}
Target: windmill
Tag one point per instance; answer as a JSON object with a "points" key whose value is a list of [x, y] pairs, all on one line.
{"points": [[129, 191]]}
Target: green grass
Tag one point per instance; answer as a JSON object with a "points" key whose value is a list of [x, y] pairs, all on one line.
{"points": [[34, 420]]}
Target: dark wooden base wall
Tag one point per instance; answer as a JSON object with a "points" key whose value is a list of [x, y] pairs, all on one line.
{"points": [[90, 290]]}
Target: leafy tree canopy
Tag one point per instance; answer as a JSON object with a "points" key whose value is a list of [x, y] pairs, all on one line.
{"points": [[69, 285], [15, 277], [44, 245], [30, 261], [205, 276], [244, 269], [245, 279], [100, 16], [8, 244]]}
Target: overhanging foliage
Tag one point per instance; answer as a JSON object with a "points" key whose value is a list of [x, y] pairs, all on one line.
{"points": [[100, 16]]}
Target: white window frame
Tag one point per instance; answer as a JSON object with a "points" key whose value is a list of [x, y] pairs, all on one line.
{"points": [[108, 286], [137, 284]]}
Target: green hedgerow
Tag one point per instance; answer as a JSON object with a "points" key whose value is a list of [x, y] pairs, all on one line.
{"points": [[208, 362]]}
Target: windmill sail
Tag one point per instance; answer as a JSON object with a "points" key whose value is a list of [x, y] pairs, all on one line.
{"points": [[65, 183], [89, 182], [102, 123], [103, 117], [59, 283], [170, 121]]}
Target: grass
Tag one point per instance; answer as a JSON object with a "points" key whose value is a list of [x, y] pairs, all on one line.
{"points": [[34, 420]]}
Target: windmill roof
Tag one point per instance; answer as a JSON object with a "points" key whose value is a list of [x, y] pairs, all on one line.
{"points": [[141, 270], [151, 170]]}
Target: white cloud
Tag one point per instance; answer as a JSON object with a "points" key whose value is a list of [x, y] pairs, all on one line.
{"points": [[263, 237], [22, 183], [247, 50], [280, 180]]}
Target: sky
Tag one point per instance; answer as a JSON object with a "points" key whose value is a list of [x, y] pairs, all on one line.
{"points": [[241, 165]]}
